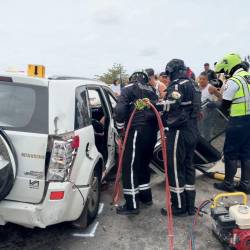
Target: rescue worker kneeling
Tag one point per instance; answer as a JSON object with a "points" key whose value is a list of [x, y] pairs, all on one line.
{"points": [[140, 143], [181, 110]]}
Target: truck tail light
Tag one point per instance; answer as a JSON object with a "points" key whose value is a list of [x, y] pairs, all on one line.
{"points": [[75, 144], [62, 157], [57, 195]]}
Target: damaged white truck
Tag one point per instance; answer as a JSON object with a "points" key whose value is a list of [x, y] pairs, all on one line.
{"points": [[57, 142]]}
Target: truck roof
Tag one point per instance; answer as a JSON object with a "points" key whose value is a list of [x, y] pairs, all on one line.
{"points": [[24, 79]]}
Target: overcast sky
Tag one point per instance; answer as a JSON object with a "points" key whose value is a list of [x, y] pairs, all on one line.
{"points": [[85, 37]]}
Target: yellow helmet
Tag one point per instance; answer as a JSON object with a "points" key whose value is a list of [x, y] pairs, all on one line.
{"points": [[228, 62]]}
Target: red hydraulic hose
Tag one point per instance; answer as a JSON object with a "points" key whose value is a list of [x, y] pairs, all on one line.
{"points": [[117, 188], [170, 223], [191, 240]]}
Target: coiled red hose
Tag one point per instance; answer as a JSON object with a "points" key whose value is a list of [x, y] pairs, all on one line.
{"points": [[117, 187]]}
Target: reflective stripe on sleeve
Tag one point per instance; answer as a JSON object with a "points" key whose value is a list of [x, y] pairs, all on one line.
{"points": [[120, 125], [186, 103]]}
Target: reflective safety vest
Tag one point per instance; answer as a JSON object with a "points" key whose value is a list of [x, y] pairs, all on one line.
{"points": [[241, 102]]}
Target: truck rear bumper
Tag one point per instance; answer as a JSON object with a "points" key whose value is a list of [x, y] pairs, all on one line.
{"points": [[49, 212]]}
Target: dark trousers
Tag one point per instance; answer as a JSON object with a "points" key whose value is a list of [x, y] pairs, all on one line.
{"points": [[237, 142], [237, 148], [136, 171], [180, 148]]}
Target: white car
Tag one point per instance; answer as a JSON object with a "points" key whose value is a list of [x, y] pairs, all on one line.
{"points": [[57, 142]]}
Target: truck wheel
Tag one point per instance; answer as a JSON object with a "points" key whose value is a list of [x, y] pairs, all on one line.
{"points": [[8, 165], [94, 196], [91, 207]]}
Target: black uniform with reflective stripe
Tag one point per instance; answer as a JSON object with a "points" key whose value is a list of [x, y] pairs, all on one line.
{"points": [[186, 107], [125, 105], [182, 105], [140, 143]]}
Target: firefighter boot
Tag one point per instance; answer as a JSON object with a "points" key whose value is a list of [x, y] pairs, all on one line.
{"points": [[178, 212], [244, 185], [190, 202], [124, 210], [230, 171]]}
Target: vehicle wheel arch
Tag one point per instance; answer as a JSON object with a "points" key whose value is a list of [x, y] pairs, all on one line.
{"points": [[85, 219], [98, 164]]}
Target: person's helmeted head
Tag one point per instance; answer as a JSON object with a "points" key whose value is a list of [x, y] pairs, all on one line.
{"points": [[175, 69], [139, 77], [203, 80], [229, 64], [151, 75], [206, 67], [164, 78], [150, 72]]}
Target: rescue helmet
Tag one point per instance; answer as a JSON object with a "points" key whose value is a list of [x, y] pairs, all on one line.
{"points": [[150, 72], [228, 63], [175, 65], [139, 76]]}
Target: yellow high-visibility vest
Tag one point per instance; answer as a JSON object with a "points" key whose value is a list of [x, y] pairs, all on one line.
{"points": [[241, 101]]}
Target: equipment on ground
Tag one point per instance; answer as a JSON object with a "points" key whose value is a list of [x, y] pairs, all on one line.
{"points": [[214, 175], [231, 222]]}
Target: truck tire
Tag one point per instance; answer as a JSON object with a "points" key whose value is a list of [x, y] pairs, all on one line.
{"points": [[8, 165], [94, 196], [91, 207]]}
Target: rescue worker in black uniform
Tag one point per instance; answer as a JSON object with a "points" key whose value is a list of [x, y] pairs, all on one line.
{"points": [[181, 110], [140, 143]]}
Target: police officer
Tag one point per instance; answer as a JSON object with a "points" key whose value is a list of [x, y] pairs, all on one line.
{"points": [[140, 143], [182, 107], [236, 98]]}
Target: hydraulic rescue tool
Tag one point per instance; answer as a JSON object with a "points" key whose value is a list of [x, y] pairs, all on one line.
{"points": [[231, 222]]}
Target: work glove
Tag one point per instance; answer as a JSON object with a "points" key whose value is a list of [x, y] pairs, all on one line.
{"points": [[141, 104]]}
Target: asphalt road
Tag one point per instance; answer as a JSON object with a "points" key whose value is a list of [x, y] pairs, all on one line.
{"points": [[144, 231]]}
